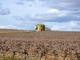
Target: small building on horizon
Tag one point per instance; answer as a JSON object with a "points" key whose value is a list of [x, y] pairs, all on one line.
{"points": [[39, 27]]}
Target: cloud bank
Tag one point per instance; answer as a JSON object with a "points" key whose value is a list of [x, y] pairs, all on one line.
{"points": [[62, 4]]}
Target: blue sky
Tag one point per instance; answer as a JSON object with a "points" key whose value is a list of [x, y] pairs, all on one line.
{"points": [[62, 15]]}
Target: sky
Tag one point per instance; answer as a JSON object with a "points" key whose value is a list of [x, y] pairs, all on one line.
{"points": [[61, 15]]}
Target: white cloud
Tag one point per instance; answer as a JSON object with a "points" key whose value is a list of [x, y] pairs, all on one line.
{"points": [[65, 26], [54, 27], [53, 11], [50, 14], [73, 24], [8, 27], [2, 27]]}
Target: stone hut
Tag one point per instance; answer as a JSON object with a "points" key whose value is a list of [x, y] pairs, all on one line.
{"points": [[39, 27]]}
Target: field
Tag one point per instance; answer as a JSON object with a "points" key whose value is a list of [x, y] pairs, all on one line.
{"points": [[46, 45]]}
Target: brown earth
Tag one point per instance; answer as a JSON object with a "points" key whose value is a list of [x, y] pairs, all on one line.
{"points": [[45, 45]]}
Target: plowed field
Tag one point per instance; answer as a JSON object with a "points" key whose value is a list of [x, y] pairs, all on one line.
{"points": [[46, 45]]}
